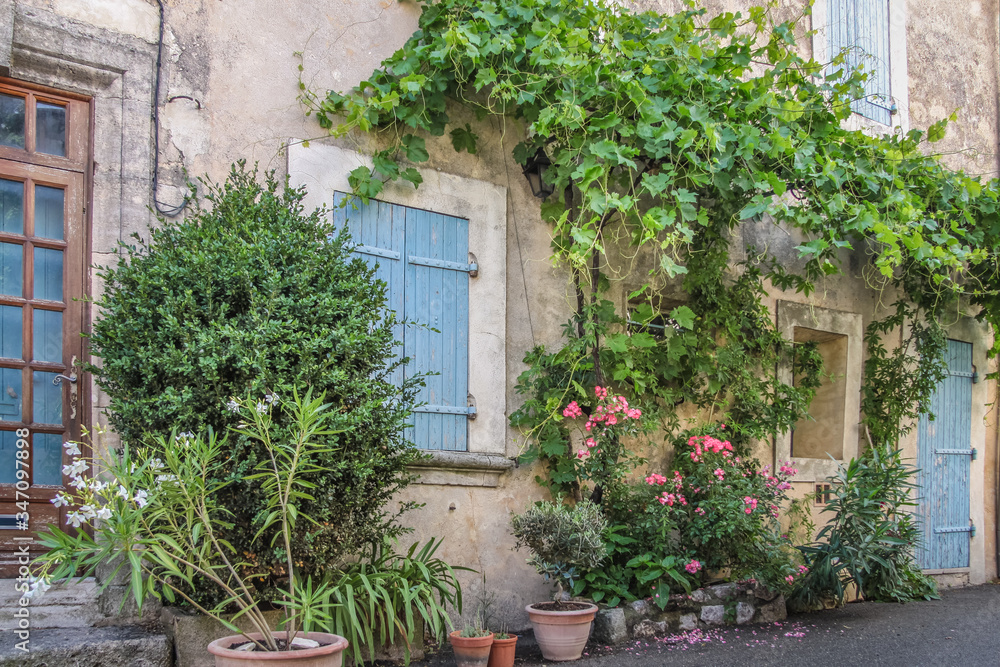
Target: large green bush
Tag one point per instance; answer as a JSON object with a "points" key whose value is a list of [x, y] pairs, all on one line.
{"points": [[251, 295]]}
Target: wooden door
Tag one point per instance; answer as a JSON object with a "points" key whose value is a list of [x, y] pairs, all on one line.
{"points": [[43, 249]]}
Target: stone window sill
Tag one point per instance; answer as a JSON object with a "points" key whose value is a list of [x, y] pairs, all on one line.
{"points": [[462, 469]]}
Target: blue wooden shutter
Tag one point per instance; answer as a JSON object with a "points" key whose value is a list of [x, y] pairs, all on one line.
{"points": [[944, 459], [862, 27], [378, 230], [437, 299], [423, 258]]}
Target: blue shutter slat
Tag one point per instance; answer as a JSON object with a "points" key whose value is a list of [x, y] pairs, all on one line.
{"points": [[378, 230], [438, 299]]}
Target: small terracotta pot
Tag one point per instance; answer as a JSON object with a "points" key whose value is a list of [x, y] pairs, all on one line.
{"points": [[331, 655], [562, 634], [502, 652], [471, 651]]}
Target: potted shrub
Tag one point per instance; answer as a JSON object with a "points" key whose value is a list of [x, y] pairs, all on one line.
{"points": [[161, 519], [564, 541], [471, 646], [503, 649]]}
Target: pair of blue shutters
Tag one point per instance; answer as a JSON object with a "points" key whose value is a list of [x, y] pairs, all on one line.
{"points": [[862, 27], [423, 258], [945, 459]]}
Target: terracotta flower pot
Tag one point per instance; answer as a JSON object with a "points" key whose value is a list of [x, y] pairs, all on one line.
{"points": [[471, 651], [330, 655], [502, 652], [562, 634]]}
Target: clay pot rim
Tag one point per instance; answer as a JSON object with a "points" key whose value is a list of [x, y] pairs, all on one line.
{"points": [[219, 647], [505, 642], [470, 642], [591, 609]]}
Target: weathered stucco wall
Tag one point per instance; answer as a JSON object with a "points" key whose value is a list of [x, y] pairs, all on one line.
{"points": [[229, 91]]}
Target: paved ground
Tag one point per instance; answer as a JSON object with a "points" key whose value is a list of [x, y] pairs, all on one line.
{"points": [[960, 630]]}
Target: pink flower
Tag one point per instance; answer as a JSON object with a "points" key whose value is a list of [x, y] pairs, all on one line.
{"points": [[790, 578], [693, 566], [572, 411], [656, 479], [591, 442], [699, 510], [720, 474]]}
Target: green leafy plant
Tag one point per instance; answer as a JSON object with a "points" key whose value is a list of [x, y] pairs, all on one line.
{"points": [[162, 519], [564, 540], [251, 294], [386, 595], [871, 538]]}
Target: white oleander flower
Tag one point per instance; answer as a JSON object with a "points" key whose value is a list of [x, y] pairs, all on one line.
{"points": [[233, 405], [261, 407], [88, 511], [122, 492], [155, 464], [60, 500], [75, 519], [104, 513], [141, 498], [72, 448], [78, 467]]}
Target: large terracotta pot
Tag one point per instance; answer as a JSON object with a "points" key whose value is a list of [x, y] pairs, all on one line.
{"points": [[471, 651], [331, 655], [502, 652], [562, 634]]}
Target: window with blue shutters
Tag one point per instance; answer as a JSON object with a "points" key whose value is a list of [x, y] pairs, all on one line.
{"points": [[423, 257], [862, 28]]}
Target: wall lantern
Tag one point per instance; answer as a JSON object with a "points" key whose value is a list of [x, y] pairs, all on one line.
{"points": [[534, 171]]}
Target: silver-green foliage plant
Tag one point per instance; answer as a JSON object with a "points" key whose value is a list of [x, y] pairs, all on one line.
{"points": [[565, 540], [161, 518]]}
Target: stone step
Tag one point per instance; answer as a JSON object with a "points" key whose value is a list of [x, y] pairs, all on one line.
{"points": [[112, 646], [68, 605]]}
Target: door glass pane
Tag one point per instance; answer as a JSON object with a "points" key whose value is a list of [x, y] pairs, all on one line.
{"points": [[49, 212], [8, 451], [10, 394], [10, 332], [11, 206], [11, 269], [11, 121], [46, 458], [47, 336], [48, 274], [46, 398], [50, 128]]}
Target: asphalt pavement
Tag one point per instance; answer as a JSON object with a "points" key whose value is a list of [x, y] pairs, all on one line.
{"points": [[962, 629]]}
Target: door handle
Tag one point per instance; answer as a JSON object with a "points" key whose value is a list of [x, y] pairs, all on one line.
{"points": [[71, 380]]}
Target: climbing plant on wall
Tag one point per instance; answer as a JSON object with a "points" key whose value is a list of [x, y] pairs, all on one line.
{"points": [[665, 133]]}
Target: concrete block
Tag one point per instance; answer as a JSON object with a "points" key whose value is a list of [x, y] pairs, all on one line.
{"points": [[688, 622], [713, 614], [648, 629], [744, 612], [609, 626], [723, 591], [123, 646], [772, 611]]}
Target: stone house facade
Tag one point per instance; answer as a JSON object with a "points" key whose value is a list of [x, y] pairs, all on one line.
{"points": [[122, 95]]}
